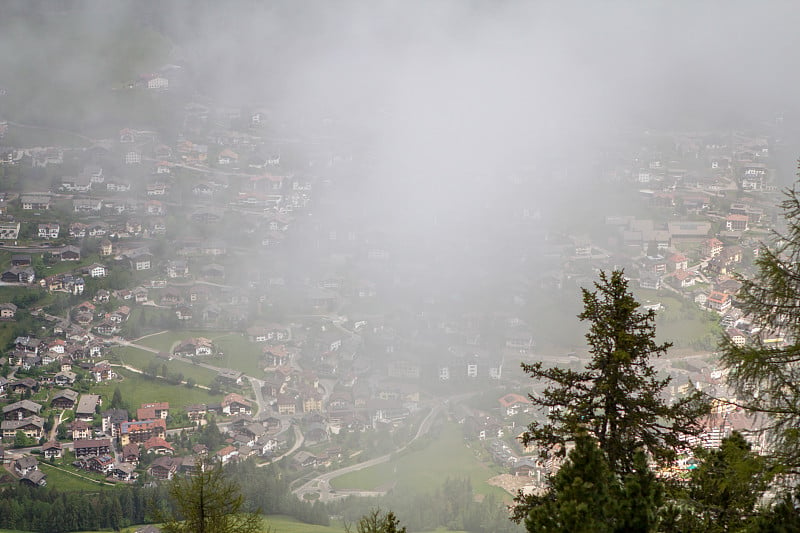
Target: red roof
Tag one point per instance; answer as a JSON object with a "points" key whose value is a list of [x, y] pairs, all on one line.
{"points": [[156, 442], [512, 398]]}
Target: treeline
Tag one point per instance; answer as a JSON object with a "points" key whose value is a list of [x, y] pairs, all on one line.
{"points": [[51, 510], [452, 506]]}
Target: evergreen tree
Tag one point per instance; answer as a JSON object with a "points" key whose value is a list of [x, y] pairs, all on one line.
{"points": [[116, 399], [642, 498], [377, 522], [766, 375], [208, 502], [618, 397], [725, 488], [583, 496]]}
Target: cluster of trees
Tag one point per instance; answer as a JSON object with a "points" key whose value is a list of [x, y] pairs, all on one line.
{"points": [[54, 511]]}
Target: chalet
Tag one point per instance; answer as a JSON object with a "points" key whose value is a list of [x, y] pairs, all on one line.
{"points": [[91, 447], [23, 386], [7, 311], [184, 312], [9, 230], [513, 404], [96, 270], [195, 347], [107, 328], [80, 430], [35, 478], [177, 268], [719, 301], [130, 453], [153, 411], [105, 247], [102, 464], [124, 472], [158, 445], [78, 230], [276, 355], [48, 231], [140, 259], [87, 407], [102, 372], [26, 464], [736, 223], [52, 450], [35, 202], [32, 427], [226, 454], [21, 409], [677, 261], [235, 404], [197, 413], [65, 399], [685, 278], [271, 332], [21, 260], [70, 253], [18, 275]]}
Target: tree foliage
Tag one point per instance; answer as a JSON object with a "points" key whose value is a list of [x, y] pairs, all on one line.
{"points": [[618, 397], [208, 502], [766, 374], [377, 522], [722, 493], [586, 496]]}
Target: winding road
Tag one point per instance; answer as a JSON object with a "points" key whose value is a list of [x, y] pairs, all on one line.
{"points": [[321, 484]]}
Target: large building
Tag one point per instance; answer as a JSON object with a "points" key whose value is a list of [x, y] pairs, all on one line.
{"points": [[138, 432]]}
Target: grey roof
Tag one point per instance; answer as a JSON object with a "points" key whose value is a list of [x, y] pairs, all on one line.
{"points": [[23, 404], [87, 404]]}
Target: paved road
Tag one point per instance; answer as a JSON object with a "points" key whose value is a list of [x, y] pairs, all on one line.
{"points": [[321, 483]]}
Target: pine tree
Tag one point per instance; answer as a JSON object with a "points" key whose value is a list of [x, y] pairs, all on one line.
{"points": [[726, 486], [583, 496], [617, 398], [208, 502], [642, 498], [377, 522], [765, 374], [116, 399]]}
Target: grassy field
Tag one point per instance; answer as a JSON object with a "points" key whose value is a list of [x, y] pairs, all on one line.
{"points": [[137, 389], [141, 359], [240, 354], [163, 342], [67, 481], [426, 468]]}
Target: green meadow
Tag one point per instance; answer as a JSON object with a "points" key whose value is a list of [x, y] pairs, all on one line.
{"points": [[239, 353], [424, 467], [137, 389], [140, 359]]}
